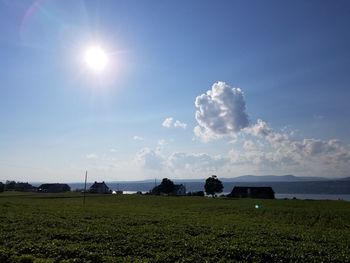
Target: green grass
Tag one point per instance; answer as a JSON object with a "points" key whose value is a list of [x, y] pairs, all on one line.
{"points": [[57, 228]]}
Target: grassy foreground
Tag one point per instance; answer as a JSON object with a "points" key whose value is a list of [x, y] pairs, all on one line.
{"points": [[56, 228]]}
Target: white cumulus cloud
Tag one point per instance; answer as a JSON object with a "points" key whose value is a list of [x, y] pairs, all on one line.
{"points": [[220, 111], [179, 124], [170, 123]]}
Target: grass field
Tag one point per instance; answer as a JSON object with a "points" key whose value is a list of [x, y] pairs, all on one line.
{"points": [[129, 228]]}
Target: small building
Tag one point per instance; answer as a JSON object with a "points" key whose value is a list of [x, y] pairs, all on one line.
{"points": [[100, 188], [252, 192], [53, 188], [179, 189]]}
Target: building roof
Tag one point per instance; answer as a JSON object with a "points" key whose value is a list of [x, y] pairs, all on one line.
{"points": [[99, 187], [96, 184]]}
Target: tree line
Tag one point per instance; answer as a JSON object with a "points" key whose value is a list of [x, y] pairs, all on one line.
{"points": [[212, 187], [16, 186]]}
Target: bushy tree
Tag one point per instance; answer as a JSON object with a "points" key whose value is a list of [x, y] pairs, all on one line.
{"points": [[213, 185], [10, 185], [22, 187], [166, 187], [17, 186], [2, 187]]}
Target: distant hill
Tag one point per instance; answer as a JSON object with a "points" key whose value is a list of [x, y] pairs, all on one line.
{"points": [[345, 179], [272, 178]]}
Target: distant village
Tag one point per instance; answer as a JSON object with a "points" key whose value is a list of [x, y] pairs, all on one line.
{"points": [[213, 187]]}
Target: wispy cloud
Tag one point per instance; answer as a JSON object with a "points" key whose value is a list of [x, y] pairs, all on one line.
{"points": [[196, 162], [138, 138], [91, 156], [162, 142]]}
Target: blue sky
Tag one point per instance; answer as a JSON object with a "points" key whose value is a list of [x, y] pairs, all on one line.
{"points": [[277, 72]]}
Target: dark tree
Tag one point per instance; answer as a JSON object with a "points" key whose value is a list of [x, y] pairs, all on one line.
{"points": [[166, 187], [10, 185], [213, 185], [22, 187], [2, 187]]}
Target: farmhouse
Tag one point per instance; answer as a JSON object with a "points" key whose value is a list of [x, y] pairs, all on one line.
{"points": [[179, 189], [53, 188], [100, 188], [253, 192]]}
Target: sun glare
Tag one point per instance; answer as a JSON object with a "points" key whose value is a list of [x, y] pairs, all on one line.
{"points": [[96, 58]]}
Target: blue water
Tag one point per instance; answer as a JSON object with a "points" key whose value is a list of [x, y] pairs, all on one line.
{"points": [[314, 196], [297, 196]]}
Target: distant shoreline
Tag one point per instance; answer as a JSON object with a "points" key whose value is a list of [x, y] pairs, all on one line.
{"points": [[325, 197], [291, 188], [332, 197]]}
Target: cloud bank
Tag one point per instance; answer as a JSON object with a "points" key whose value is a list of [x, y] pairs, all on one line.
{"points": [[150, 159], [245, 147], [180, 163], [195, 161], [273, 150], [221, 114]]}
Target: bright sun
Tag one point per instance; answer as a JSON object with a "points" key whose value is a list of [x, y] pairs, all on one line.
{"points": [[96, 58]]}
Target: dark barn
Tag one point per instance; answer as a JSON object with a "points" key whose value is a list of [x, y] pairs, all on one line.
{"points": [[53, 188], [100, 188], [252, 192]]}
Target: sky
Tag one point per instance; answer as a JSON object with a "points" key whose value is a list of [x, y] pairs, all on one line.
{"points": [[189, 89]]}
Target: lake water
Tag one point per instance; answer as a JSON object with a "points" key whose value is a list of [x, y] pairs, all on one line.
{"points": [[314, 196], [291, 196]]}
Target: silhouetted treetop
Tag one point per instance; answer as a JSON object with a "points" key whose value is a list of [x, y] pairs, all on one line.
{"points": [[213, 185]]}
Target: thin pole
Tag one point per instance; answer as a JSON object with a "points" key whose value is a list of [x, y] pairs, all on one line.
{"points": [[85, 188]]}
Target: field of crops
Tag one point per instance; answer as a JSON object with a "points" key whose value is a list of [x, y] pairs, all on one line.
{"points": [[129, 228]]}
